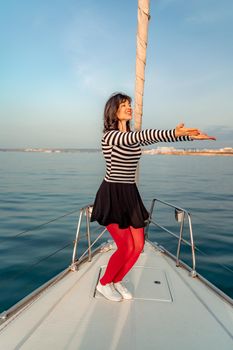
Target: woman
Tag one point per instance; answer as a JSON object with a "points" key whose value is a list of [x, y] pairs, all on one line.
{"points": [[118, 204]]}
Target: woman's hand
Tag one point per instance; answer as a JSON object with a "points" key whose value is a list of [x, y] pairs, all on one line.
{"points": [[203, 136], [194, 133]]}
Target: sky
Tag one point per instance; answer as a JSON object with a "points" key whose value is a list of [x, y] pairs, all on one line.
{"points": [[60, 60]]}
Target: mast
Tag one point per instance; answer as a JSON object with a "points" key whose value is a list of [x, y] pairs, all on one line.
{"points": [[142, 35]]}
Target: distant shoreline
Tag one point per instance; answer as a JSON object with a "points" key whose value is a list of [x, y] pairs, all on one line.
{"points": [[227, 151], [50, 150]]}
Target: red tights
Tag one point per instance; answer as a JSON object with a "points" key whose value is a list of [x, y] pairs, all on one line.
{"points": [[130, 242]]}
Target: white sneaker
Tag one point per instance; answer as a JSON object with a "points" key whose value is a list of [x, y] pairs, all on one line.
{"points": [[109, 292], [123, 290]]}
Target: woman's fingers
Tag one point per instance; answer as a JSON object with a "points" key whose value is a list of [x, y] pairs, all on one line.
{"points": [[181, 126], [181, 130], [190, 131], [194, 133], [203, 136]]}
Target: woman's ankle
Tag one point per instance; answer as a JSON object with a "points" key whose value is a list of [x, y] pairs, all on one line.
{"points": [[102, 284]]}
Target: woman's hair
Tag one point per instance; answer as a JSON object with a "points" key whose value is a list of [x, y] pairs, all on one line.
{"points": [[110, 111]]}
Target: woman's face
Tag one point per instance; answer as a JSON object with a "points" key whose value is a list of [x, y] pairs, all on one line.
{"points": [[124, 111]]}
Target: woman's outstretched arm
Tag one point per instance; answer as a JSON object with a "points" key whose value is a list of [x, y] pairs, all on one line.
{"points": [[150, 136]]}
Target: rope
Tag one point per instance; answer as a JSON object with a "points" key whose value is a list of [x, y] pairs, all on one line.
{"points": [[222, 265], [219, 264], [38, 226], [201, 251], [14, 277], [204, 220], [100, 235]]}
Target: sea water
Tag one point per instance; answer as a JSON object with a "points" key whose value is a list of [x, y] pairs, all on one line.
{"points": [[42, 193]]}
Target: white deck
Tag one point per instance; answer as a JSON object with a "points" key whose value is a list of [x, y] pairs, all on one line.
{"points": [[180, 312]]}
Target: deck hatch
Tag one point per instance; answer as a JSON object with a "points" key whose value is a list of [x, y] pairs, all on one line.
{"points": [[146, 283]]}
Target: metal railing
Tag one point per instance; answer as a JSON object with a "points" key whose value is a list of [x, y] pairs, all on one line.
{"points": [[85, 211], [180, 215]]}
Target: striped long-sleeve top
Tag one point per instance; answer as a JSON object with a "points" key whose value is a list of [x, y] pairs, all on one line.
{"points": [[122, 150]]}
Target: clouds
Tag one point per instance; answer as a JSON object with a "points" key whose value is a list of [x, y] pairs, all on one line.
{"points": [[84, 41], [65, 63], [198, 11], [211, 16], [92, 78], [100, 45]]}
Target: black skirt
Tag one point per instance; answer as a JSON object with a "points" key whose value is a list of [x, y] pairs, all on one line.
{"points": [[119, 203]]}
